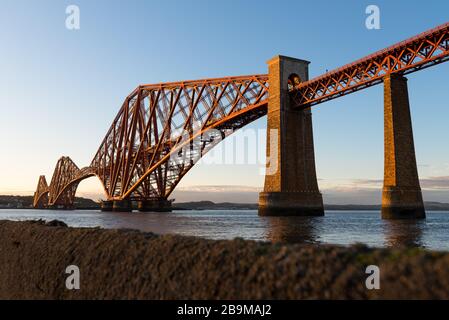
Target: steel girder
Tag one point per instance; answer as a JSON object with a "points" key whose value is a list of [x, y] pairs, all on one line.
{"points": [[41, 194], [422, 51], [137, 157], [162, 130], [64, 182]]}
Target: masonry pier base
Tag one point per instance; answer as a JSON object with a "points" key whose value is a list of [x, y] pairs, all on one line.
{"points": [[159, 205], [402, 203], [122, 206], [106, 206], [62, 207], [291, 187], [401, 196], [290, 204]]}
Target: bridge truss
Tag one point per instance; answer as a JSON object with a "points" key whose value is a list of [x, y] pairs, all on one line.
{"points": [[422, 51], [162, 130]]}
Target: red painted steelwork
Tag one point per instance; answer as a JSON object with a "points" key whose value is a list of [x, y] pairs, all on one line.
{"points": [[162, 130], [422, 51]]}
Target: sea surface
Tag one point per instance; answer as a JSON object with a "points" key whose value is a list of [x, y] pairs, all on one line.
{"points": [[337, 227]]}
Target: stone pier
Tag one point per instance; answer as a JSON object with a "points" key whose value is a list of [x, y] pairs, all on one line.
{"points": [[122, 206], [67, 207], [401, 196], [157, 205], [106, 206], [291, 186]]}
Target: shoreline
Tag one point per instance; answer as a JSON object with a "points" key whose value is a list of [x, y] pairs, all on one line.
{"points": [[222, 209], [12, 202], [228, 206], [128, 264]]}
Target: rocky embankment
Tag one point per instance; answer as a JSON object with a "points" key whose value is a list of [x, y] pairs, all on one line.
{"points": [[126, 264]]}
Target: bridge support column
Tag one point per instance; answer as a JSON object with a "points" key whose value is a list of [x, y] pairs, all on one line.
{"points": [[122, 206], [62, 207], [401, 196], [157, 205], [291, 186], [106, 206]]}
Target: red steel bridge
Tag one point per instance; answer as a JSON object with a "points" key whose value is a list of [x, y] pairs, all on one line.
{"points": [[148, 148]]}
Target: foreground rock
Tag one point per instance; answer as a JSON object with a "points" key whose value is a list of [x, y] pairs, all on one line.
{"points": [[124, 264]]}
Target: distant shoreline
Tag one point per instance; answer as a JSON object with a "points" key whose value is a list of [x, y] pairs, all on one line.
{"points": [[209, 205], [25, 202]]}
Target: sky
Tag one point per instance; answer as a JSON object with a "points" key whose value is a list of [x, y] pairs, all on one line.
{"points": [[60, 89]]}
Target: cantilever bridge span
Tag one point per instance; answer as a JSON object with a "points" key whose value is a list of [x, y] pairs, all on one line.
{"points": [[161, 130]]}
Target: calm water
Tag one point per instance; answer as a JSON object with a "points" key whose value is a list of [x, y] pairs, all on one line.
{"points": [[337, 227]]}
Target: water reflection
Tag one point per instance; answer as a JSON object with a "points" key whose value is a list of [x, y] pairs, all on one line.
{"points": [[292, 229], [337, 227], [403, 233]]}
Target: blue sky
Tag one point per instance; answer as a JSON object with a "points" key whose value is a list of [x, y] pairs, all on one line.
{"points": [[60, 89]]}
